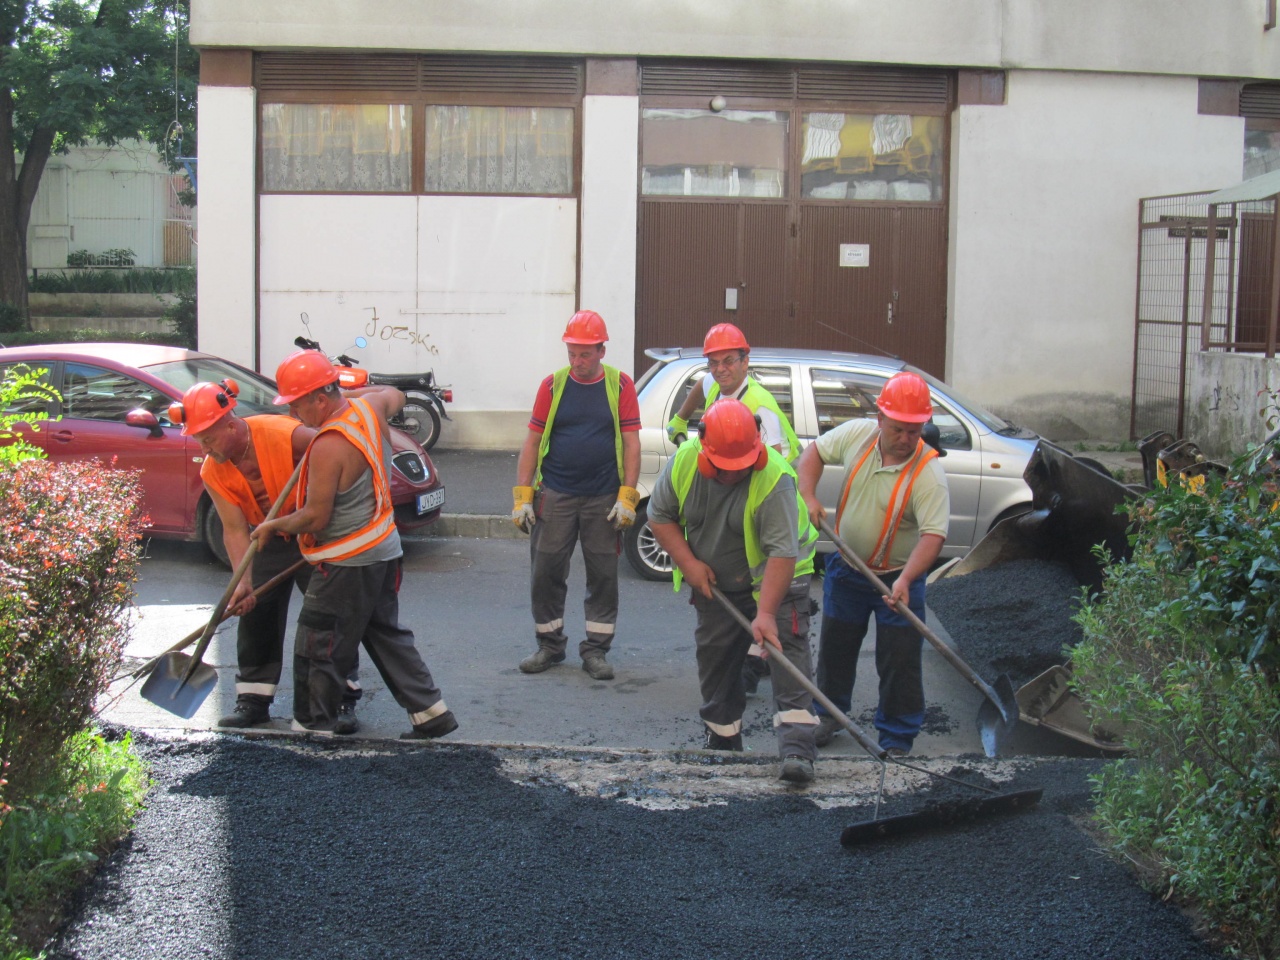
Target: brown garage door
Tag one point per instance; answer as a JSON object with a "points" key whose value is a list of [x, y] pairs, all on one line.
{"points": [[800, 209]]}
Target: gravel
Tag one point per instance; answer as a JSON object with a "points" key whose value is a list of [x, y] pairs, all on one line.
{"points": [[1012, 618], [264, 849]]}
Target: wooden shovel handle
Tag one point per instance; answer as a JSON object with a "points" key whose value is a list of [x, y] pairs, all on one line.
{"points": [[797, 674], [203, 643]]}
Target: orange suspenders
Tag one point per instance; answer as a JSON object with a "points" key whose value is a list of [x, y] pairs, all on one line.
{"points": [[898, 499]]}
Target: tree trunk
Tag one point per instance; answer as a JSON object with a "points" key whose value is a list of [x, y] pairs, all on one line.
{"points": [[13, 242]]}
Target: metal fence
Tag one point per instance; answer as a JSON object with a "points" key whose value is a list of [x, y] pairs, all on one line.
{"points": [[1173, 316]]}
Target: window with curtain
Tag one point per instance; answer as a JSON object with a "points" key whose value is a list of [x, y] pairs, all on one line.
{"points": [[499, 150], [861, 156], [337, 147], [701, 153]]}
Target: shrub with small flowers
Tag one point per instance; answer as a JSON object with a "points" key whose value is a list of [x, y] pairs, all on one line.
{"points": [[68, 558]]}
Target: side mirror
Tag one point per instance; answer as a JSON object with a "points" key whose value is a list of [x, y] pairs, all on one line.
{"points": [[933, 437], [144, 419]]}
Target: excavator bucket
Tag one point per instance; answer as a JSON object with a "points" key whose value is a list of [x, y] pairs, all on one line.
{"points": [[1074, 508]]}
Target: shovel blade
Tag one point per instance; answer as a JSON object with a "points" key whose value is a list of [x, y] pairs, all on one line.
{"points": [[166, 690], [996, 723]]}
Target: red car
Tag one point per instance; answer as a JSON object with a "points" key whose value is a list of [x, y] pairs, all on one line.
{"points": [[115, 403]]}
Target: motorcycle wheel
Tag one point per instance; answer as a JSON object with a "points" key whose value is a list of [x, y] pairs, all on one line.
{"points": [[420, 421]]}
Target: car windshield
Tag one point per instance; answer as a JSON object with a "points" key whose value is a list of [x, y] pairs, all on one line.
{"points": [[256, 392], [994, 423]]}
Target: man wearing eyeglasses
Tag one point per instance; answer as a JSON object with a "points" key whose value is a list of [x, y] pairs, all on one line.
{"points": [[728, 361]]}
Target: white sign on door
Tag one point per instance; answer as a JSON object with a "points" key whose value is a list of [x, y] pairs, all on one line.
{"points": [[855, 254]]}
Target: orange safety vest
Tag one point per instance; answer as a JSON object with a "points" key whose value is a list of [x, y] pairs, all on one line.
{"points": [[898, 499], [273, 447], [363, 429]]}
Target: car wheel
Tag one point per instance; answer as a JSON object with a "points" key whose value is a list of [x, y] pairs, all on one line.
{"points": [[211, 530], [421, 422], [644, 552], [1017, 510]]}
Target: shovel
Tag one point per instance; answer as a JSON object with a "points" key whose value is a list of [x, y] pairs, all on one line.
{"points": [[180, 683], [941, 815], [998, 714]]}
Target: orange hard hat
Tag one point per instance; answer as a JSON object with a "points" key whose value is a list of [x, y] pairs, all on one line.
{"points": [[905, 397], [585, 327], [724, 336], [302, 372], [203, 405], [731, 436]]}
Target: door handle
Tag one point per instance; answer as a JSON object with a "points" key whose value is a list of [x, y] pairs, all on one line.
{"points": [[63, 436], [890, 314]]}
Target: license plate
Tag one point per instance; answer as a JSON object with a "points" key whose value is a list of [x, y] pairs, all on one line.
{"points": [[430, 501]]}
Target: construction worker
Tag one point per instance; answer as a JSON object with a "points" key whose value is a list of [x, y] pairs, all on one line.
{"points": [[345, 525], [246, 465], [735, 500], [728, 360], [893, 513], [576, 482]]}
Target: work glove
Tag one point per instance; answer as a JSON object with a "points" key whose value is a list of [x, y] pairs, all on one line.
{"points": [[522, 513], [677, 429], [623, 513]]}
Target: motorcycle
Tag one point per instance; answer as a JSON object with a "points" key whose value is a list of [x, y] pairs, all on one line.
{"points": [[424, 398]]}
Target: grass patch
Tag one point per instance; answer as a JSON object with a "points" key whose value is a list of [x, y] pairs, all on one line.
{"points": [[52, 841]]}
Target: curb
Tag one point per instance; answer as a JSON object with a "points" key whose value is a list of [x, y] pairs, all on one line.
{"points": [[476, 526]]}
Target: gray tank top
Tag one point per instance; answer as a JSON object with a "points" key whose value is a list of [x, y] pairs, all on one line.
{"points": [[352, 509]]}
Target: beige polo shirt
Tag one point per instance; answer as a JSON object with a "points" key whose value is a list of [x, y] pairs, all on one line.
{"points": [[928, 511]]}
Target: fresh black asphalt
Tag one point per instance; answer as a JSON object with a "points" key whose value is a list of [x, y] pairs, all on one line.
{"points": [[270, 849]]}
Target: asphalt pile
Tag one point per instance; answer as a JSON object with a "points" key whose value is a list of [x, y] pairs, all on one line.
{"points": [[260, 849], [1012, 618]]}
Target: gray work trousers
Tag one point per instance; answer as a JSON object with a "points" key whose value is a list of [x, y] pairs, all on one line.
{"points": [[260, 632], [722, 649], [344, 607], [563, 522]]}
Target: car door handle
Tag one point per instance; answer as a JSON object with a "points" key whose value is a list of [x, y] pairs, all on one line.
{"points": [[62, 436]]}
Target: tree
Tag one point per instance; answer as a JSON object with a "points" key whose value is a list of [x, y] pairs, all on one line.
{"points": [[75, 71]]}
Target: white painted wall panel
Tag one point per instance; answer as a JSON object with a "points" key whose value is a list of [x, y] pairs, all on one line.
{"points": [[1044, 236], [476, 288], [610, 145], [228, 238]]}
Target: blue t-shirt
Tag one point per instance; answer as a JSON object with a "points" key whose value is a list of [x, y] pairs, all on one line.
{"points": [[582, 459]]}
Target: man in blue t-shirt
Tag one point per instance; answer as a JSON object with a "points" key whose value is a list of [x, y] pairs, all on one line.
{"points": [[575, 482]]}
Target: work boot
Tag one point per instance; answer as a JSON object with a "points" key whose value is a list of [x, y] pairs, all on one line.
{"points": [[596, 668], [753, 669], [541, 659], [346, 724], [435, 727], [798, 770], [896, 752], [826, 731], [247, 713], [717, 742]]}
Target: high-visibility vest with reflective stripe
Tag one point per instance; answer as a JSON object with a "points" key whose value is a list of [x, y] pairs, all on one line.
{"points": [[755, 397], [898, 498], [363, 428], [612, 389], [684, 468], [273, 449]]}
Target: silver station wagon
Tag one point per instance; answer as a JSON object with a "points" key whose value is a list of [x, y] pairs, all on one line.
{"points": [[819, 390]]}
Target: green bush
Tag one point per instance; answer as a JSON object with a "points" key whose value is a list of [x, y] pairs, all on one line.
{"points": [[24, 398], [115, 257], [33, 337], [68, 558], [136, 280], [12, 318], [182, 315], [1181, 649], [59, 834]]}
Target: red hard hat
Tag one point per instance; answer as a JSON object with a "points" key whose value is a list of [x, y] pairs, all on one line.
{"points": [[203, 405], [905, 397], [302, 372], [585, 327], [731, 435], [724, 336]]}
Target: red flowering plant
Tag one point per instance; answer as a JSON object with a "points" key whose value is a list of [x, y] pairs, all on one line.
{"points": [[69, 553]]}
